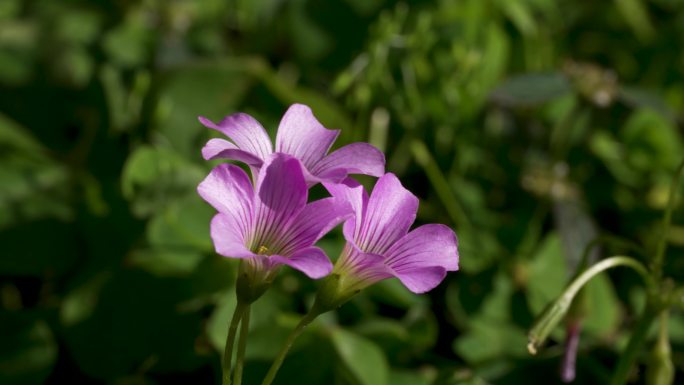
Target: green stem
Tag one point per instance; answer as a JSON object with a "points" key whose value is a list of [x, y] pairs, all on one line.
{"points": [[230, 341], [242, 347], [659, 256], [636, 342], [308, 318], [606, 264], [678, 297], [444, 191]]}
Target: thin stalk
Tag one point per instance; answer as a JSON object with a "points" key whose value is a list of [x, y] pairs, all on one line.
{"points": [[659, 256], [230, 341], [606, 264], [663, 326], [678, 297], [444, 191], [635, 345], [242, 347], [270, 376]]}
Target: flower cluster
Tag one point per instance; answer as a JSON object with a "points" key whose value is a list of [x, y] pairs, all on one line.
{"points": [[267, 221]]}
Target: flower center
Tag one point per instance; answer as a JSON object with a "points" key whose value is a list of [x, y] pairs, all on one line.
{"points": [[262, 250]]}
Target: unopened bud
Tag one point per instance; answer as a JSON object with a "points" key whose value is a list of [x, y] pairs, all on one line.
{"points": [[546, 322]]}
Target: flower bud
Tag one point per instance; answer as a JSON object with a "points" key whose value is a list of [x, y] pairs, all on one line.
{"points": [[546, 322]]}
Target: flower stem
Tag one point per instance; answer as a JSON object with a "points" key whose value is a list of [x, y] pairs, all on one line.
{"points": [[636, 342], [230, 341], [308, 318], [242, 347], [659, 256], [606, 264]]}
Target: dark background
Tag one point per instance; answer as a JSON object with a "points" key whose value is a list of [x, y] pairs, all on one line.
{"points": [[529, 126]]}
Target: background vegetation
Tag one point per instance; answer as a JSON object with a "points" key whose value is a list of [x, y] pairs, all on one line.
{"points": [[530, 126]]}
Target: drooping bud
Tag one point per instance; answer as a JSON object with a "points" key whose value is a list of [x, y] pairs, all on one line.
{"points": [[546, 322]]}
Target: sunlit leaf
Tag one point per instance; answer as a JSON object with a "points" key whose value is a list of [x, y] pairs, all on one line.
{"points": [[154, 177], [364, 360]]}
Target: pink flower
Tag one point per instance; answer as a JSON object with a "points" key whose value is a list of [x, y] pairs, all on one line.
{"points": [[299, 135], [379, 244], [271, 224]]}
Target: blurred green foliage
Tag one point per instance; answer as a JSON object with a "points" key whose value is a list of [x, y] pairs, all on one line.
{"points": [[530, 126]]}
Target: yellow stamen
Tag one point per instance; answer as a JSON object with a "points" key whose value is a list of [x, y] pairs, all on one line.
{"points": [[262, 250]]}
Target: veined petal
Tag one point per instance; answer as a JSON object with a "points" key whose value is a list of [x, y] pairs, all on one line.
{"points": [[336, 175], [248, 134], [282, 194], [355, 158], [301, 135], [361, 269], [311, 261], [422, 279], [427, 245], [230, 191], [313, 222], [390, 212], [353, 192], [228, 236], [222, 149]]}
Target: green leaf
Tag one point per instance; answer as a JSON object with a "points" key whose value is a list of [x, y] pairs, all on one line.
{"points": [[603, 310], [532, 89], [78, 305], [28, 350], [153, 177], [640, 98], [34, 185], [213, 89], [489, 340], [651, 141], [166, 261], [408, 377], [128, 44], [548, 274], [182, 226], [362, 358], [217, 326], [269, 327], [636, 15], [394, 293]]}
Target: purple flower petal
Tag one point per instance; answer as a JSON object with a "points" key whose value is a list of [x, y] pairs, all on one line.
{"points": [[390, 212], [351, 191], [422, 279], [228, 236], [245, 132], [230, 191], [427, 245], [222, 149], [282, 194], [311, 261], [355, 158], [366, 268], [301, 135], [422, 257], [314, 221]]}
